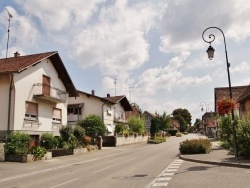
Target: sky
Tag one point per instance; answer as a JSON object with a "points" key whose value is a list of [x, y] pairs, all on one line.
{"points": [[152, 51]]}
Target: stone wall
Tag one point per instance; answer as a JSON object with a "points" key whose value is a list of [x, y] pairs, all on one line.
{"points": [[110, 141]]}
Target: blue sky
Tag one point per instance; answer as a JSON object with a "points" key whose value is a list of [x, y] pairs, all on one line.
{"points": [[153, 49]]}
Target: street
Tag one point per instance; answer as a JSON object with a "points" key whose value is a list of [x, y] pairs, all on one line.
{"points": [[133, 166]]}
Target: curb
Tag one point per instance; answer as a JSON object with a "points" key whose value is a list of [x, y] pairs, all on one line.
{"points": [[215, 163]]}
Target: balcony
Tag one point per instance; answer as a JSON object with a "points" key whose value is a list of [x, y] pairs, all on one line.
{"points": [[120, 119], [49, 93]]}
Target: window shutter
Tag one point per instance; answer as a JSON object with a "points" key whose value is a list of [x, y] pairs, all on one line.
{"points": [[57, 113], [31, 108]]}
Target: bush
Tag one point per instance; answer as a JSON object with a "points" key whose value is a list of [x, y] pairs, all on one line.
{"points": [[48, 141], [243, 136], [195, 146], [178, 134], [68, 139], [17, 143], [157, 140], [93, 125], [121, 128], [172, 132], [87, 140], [38, 151]]}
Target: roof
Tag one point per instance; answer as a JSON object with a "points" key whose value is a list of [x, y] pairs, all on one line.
{"points": [[120, 99], [21, 63], [222, 92], [150, 114], [95, 96], [245, 95]]}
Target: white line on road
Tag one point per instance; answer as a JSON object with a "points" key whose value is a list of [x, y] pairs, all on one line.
{"points": [[105, 168], [51, 169], [64, 183]]}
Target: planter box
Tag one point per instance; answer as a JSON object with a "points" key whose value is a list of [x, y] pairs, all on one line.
{"points": [[26, 158], [62, 152]]}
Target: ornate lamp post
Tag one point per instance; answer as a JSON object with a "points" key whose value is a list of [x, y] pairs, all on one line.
{"points": [[210, 52], [204, 105]]}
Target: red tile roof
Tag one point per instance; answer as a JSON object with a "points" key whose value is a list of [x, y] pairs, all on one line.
{"points": [[17, 64], [20, 63]]}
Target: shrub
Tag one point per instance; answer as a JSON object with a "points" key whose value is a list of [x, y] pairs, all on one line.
{"points": [[243, 136], [17, 143], [195, 146], [87, 140], [178, 134], [157, 140], [172, 132], [121, 128], [38, 151], [47, 141], [93, 125]]}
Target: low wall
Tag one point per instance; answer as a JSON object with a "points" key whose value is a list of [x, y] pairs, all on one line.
{"points": [[62, 152], [26, 158], [1, 151], [113, 141], [122, 140]]}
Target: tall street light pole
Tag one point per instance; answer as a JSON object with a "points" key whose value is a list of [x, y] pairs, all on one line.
{"points": [[203, 104], [210, 52]]}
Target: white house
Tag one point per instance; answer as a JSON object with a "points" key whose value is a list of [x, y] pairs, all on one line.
{"points": [[110, 109], [34, 94]]}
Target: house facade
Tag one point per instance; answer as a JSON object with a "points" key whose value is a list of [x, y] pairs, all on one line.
{"points": [[244, 102], [110, 109], [34, 94], [223, 92], [209, 124]]}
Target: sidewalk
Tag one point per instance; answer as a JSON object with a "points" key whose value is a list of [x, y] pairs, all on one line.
{"points": [[218, 156]]}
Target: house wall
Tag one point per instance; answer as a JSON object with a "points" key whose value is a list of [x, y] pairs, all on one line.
{"points": [[92, 105], [24, 92], [245, 108], [4, 101]]}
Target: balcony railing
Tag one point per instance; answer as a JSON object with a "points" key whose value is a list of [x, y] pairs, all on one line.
{"points": [[50, 93]]}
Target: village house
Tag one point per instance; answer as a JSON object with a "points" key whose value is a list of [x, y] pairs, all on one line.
{"points": [[110, 109], [148, 117], [34, 94]]}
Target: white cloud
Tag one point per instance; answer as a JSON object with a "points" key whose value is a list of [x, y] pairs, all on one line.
{"points": [[116, 43], [241, 68]]}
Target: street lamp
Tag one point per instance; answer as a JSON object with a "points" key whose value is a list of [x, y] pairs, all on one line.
{"points": [[210, 52], [203, 104]]}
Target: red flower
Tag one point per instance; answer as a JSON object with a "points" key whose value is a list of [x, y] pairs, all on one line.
{"points": [[225, 106]]}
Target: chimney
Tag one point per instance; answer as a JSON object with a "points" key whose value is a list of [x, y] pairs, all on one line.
{"points": [[16, 54], [108, 95], [93, 92]]}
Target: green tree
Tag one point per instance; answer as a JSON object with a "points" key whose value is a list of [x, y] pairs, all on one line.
{"points": [[182, 122], [164, 122], [121, 128], [154, 126], [93, 125], [183, 113], [197, 124], [136, 124]]}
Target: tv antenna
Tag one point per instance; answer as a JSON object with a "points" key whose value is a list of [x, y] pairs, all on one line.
{"points": [[9, 17], [115, 86]]}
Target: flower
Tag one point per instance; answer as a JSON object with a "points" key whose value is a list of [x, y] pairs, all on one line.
{"points": [[225, 106]]}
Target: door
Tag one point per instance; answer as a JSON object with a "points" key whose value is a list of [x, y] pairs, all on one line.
{"points": [[46, 85]]}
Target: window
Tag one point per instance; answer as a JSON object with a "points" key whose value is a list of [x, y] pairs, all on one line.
{"points": [[57, 115], [31, 110], [75, 110]]}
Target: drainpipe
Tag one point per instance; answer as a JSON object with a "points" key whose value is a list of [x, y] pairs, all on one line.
{"points": [[9, 106]]}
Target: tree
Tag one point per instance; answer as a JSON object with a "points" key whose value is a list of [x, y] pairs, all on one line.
{"points": [[182, 122], [136, 124], [93, 125], [164, 122], [154, 126], [197, 124], [183, 113]]}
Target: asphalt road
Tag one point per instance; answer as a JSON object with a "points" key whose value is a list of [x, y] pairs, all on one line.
{"points": [[133, 166]]}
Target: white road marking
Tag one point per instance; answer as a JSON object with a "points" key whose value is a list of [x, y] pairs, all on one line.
{"points": [[64, 183], [163, 179], [51, 169]]}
